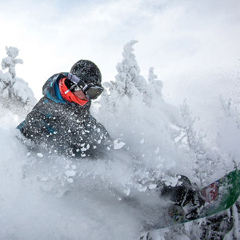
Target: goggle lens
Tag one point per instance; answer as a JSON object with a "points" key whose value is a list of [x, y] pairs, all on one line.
{"points": [[93, 92]]}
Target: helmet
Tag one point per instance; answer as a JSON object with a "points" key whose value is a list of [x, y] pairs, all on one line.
{"points": [[86, 76], [87, 71]]}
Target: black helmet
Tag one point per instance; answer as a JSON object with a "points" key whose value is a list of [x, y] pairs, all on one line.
{"points": [[87, 71]]}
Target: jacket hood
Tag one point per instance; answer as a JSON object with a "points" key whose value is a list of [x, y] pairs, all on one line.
{"points": [[51, 89]]}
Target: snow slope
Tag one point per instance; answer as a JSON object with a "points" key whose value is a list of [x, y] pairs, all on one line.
{"points": [[32, 206], [52, 197]]}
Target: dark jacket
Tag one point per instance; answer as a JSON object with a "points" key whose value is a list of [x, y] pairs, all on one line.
{"points": [[64, 127]]}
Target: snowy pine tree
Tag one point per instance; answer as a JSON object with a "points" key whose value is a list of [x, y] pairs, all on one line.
{"points": [[129, 86], [14, 91], [229, 126], [11, 61], [204, 158], [154, 90], [128, 78]]}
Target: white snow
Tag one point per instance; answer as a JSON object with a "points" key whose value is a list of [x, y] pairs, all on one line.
{"points": [[40, 155], [118, 145], [53, 197]]}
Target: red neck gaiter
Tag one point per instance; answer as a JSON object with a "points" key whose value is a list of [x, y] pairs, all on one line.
{"points": [[68, 95]]}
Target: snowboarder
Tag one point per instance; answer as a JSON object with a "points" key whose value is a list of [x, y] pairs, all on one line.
{"points": [[61, 121]]}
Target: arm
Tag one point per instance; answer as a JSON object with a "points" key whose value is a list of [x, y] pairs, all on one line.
{"points": [[35, 127]]}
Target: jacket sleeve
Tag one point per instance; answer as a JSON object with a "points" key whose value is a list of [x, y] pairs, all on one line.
{"points": [[36, 127]]}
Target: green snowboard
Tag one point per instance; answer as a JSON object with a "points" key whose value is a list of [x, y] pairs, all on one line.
{"points": [[218, 196], [221, 194]]}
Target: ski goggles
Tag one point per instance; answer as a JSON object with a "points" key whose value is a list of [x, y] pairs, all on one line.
{"points": [[91, 90]]}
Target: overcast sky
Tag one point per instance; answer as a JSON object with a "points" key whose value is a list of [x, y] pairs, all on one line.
{"points": [[194, 46]]}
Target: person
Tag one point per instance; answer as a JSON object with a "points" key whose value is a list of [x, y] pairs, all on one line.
{"points": [[61, 121]]}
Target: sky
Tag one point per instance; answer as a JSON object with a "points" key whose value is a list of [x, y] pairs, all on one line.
{"points": [[192, 45]]}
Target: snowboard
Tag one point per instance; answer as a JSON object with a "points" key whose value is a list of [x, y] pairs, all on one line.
{"points": [[217, 196]]}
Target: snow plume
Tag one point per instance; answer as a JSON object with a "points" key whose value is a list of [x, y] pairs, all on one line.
{"points": [[136, 113], [14, 91], [229, 132], [52, 197], [161, 136]]}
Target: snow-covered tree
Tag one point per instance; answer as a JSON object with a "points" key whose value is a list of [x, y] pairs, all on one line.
{"points": [[154, 89], [14, 91], [11, 61], [205, 159], [129, 86], [229, 131], [128, 78], [157, 84]]}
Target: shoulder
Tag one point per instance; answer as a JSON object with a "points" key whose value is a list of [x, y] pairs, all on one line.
{"points": [[52, 80], [51, 87]]}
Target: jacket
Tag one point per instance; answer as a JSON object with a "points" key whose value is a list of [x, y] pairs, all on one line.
{"points": [[64, 127]]}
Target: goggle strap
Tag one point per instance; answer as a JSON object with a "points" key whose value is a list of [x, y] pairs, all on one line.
{"points": [[73, 78], [85, 88], [76, 80]]}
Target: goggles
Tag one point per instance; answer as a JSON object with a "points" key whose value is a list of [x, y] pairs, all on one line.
{"points": [[91, 90]]}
